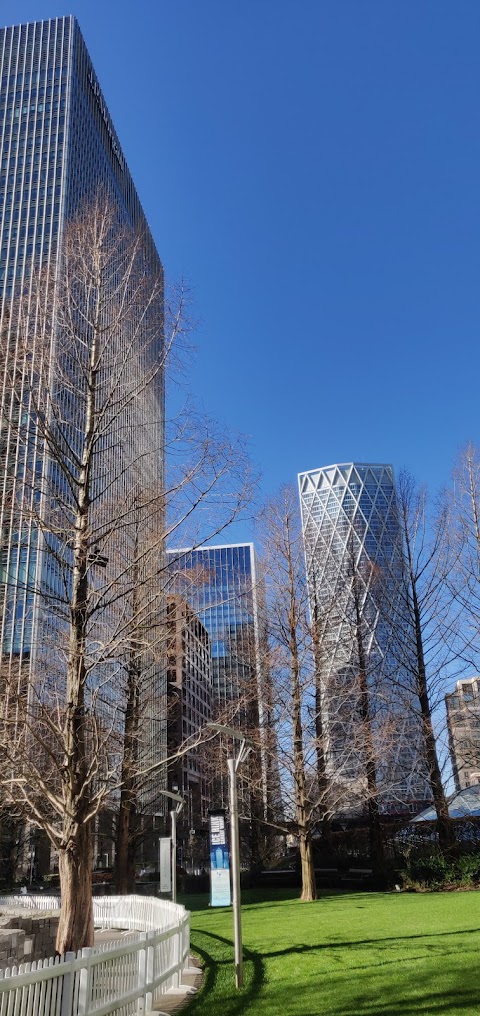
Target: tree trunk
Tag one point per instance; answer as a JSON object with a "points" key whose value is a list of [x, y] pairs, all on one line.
{"points": [[75, 928], [125, 844], [127, 831], [322, 774], [306, 856], [377, 856], [303, 817], [446, 835], [75, 853], [126, 828], [309, 887], [374, 829]]}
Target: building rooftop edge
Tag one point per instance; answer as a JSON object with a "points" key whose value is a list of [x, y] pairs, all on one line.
{"points": [[460, 682], [341, 465], [209, 546], [43, 21]]}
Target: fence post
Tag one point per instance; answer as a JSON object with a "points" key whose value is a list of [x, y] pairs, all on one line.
{"points": [[85, 986], [186, 947], [149, 972], [67, 984], [142, 973], [80, 985], [178, 949]]}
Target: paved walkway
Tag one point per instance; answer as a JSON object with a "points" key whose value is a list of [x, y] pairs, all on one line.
{"points": [[174, 1001]]}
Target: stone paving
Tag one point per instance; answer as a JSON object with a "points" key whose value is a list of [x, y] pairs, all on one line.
{"points": [[173, 1001]]}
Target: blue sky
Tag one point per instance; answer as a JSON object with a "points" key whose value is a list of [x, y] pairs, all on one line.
{"points": [[313, 169]]}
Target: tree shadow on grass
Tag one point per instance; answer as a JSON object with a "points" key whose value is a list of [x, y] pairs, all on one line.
{"points": [[250, 898], [415, 994], [341, 943], [254, 976], [274, 897], [426, 1000]]}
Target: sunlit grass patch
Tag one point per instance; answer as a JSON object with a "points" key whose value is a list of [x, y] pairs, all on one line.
{"points": [[361, 954]]}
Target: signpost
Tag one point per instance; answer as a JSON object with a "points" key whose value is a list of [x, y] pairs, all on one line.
{"points": [[246, 746], [179, 803], [165, 846], [220, 895]]}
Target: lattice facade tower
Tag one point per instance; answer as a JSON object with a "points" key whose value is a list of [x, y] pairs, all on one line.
{"points": [[59, 148], [354, 562]]}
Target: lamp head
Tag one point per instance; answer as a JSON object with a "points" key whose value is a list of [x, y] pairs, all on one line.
{"points": [[237, 734], [173, 797]]}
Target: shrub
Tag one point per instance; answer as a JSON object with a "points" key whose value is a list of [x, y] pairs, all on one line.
{"points": [[439, 872], [469, 869]]}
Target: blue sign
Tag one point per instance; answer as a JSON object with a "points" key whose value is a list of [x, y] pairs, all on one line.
{"points": [[220, 894]]}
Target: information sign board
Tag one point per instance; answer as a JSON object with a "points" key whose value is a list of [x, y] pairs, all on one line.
{"points": [[165, 864], [220, 893]]}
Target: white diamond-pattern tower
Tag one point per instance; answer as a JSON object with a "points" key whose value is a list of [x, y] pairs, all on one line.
{"points": [[354, 562]]}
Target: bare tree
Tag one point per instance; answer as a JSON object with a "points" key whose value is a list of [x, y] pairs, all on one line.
{"points": [[464, 581], [292, 674], [87, 371], [311, 791], [371, 744], [321, 732], [425, 634], [13, 841], [353, 701], [465, 536], [84, 707], [209, 484]]}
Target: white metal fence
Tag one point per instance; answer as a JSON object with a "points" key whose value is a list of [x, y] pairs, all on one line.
{"points": [[122, 977]]}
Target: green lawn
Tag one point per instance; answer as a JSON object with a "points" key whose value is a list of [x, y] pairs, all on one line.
{"points": [[361, 954]]}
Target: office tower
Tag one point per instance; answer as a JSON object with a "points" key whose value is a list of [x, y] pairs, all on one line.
{"points": [[59, 151], [463, 722], [354, 558], [222, 584], [189, 681]]}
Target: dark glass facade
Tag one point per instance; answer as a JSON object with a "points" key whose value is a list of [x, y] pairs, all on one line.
{"points": [[58, 149], [189, 705], [220, 584], [223, 586]]}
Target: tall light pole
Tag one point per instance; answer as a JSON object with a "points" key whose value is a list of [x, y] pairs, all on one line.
{"points": [[180, 801], [246, 747]]}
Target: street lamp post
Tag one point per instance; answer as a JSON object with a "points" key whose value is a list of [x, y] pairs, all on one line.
{"points": [[233, 764], [180, 801]]}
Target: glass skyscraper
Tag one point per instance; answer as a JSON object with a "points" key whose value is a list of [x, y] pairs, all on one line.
{"points": [[58, 149], [354, 562], [222, 584]]}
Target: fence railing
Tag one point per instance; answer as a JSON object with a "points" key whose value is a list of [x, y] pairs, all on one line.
{"points": [[124, 977]]}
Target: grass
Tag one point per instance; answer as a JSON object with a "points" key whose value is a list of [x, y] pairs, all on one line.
{"points": [[356, 954]]}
